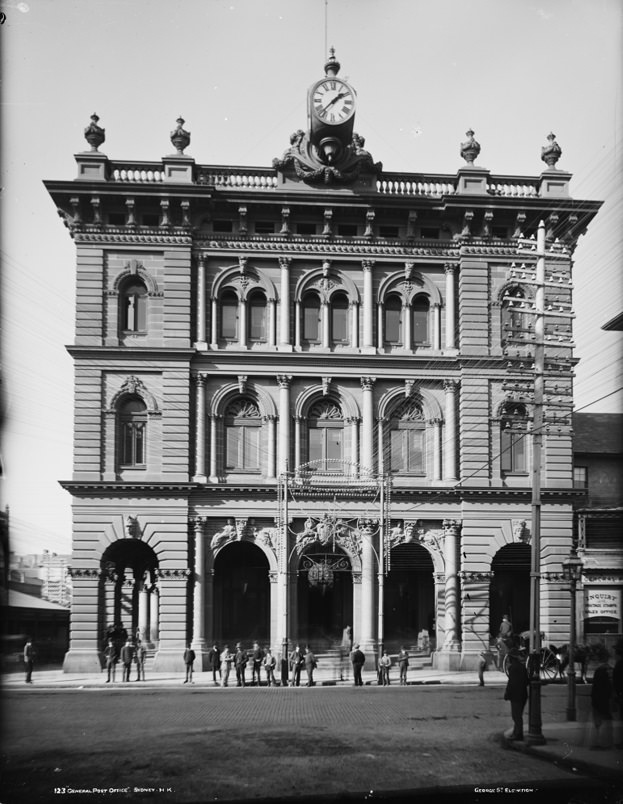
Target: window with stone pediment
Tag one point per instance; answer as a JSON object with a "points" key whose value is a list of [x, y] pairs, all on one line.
{"points": [[513, 438], [325, 427], [407, 439], [243, 427], [132, 432], [133, 303], [229, 315], [257, 316]]}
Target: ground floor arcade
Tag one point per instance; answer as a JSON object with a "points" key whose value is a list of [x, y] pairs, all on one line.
{"points": [[173, 574]]}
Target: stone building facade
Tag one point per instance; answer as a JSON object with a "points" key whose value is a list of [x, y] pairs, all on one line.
{"points": [[292, 398]]}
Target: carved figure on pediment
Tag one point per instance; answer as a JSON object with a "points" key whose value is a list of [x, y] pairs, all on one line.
{"points": [[227, 534], [396, 535], [241, 528], [265, 536], [349, 542], [520, 533], [308, 527], [430, 539]]}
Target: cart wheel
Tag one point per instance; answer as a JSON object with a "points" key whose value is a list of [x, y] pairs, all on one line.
{"points": [[549, 664]]}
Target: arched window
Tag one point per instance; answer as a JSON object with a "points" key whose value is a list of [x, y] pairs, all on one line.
{"points": [[407, 431], [132, 432], [393, 319], [311, 318], [325, 435], [134, 306], [229, 315], [243, 427], [339, 318], [420, 309], [513, 315], [257, 317], [513, 437]]}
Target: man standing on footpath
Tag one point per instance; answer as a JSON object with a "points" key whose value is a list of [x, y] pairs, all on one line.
{"points": [[358, 660], [189, 660], [127, 654], [29, 659], [240, 662], [257, 657], [517, 693], [214, 663]]}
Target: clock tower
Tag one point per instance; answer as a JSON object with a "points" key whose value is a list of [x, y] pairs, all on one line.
{"points": [[329, 152]]}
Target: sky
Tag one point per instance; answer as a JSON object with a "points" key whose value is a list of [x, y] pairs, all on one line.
{"points": [[238, 71]]}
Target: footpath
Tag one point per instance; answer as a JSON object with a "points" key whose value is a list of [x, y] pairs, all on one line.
{"points": [[570, 744]]}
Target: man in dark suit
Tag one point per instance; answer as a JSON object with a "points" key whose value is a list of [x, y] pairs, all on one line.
{"points": [[240, 661], [127, 655], [189, 659], [517, 693], [111, 657], [29, 659], [358, 660], [214, 663]]}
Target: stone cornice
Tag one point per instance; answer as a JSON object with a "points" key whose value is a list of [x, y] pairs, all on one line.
{"points": [[134, 355], [332, 247], [109, 488], [118, 235]]}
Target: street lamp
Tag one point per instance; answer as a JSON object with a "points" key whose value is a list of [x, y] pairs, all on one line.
{"points": [[572, 572]]}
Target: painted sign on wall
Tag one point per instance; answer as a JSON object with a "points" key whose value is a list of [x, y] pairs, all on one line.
{"points": [[603, 603]]}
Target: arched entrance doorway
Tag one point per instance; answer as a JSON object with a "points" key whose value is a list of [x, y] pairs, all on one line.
{"points": [[409, 596], [241, 595], [324, 596], [510, 588], [129, 595]]}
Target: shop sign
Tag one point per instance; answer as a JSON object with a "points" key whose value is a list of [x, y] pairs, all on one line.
{"points": [[603, 603]]}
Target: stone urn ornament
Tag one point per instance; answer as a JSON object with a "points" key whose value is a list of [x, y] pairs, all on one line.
{"points": [[551, 153], [94, 134], [470, 148], [179, 137]]}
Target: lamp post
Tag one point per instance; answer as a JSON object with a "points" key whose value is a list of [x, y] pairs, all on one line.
{"points": [[572, 572]]}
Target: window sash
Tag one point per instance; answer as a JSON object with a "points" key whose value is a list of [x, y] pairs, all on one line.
{"points": [[135, 312], [229, 319], [311, 322], [242, 448], [133, 443], [325, 446], [407, 451], [257, 320], [420, 325], [513, 447], [339, 323]]}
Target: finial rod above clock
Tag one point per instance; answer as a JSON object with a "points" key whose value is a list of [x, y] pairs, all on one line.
{"points": [[332, 65]]}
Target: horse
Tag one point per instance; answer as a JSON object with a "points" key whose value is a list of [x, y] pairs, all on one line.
{"points": [[581, 655]]}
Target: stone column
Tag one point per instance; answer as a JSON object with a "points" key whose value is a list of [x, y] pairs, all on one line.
{"points": [[380, 325], [270, 448], [380, 427], [451, 644], [354, 440], [436, 327], [368, 306], [200, 433], [367, 433], [242, 308], [201, 303], [298, 424], [450, 388], [284, 305], [354, 322], [213, 450], [436, 423], [143, 610], [214, 325], [284, 423], [154, 615], [366, 637], [199, 643], [84, 636], [297, 326], [406, 327], [272, 323], [173, 586], [325, 310], [450, 307]]}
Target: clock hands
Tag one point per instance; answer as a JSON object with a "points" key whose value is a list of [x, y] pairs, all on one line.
{"points": [[334, 100]]}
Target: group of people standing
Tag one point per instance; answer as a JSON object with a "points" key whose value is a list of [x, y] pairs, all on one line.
{"points": [[220, 663], [130, 653]]}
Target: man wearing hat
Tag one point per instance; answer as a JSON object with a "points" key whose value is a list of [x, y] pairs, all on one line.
{"points": [[240, 662], [517, 692]]}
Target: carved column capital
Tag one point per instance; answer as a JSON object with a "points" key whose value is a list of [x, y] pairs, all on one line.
{"points": [[367, 383], [284, 380]]}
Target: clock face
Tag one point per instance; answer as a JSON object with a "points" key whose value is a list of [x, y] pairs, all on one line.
{"points": [[333, 101]]}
